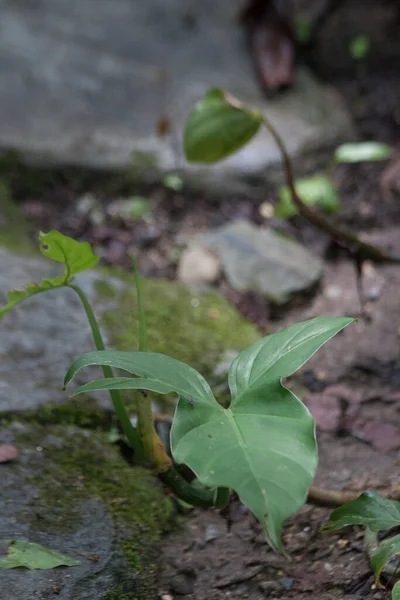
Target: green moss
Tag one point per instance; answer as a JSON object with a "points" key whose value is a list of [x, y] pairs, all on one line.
{"points": [[79, 465], [197, 329], [83, 412]]}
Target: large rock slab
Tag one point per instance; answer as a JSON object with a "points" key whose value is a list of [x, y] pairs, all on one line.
{"points": [[72, 492], [262, 261], [98, 75]]}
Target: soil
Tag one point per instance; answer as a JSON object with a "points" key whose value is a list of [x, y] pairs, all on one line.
{"points": [[215, 556]]}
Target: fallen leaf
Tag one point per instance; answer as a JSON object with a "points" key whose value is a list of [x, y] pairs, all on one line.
{"points": [[34, 556], [8, 452]]}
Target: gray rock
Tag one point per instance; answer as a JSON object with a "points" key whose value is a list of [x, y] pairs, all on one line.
{"points": [[41, 337], [198, 266], [259, 260], [32, 508], [98, 75]]}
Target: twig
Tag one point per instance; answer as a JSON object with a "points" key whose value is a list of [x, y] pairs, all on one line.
{"points": [[332, 499], [360, 249]]}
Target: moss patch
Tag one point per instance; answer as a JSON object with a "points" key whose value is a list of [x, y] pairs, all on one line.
{"points": [[77, 465], [194, 328]]}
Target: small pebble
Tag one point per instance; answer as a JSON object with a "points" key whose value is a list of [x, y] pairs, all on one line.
{"points": [[270, 588], [287, 583], [212, 534]]}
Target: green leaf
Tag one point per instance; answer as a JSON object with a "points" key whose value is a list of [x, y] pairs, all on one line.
{"points": [[173, 182], [316, 190], [362, 152], [360, 47], [396, 591], [370, 509], [217, 127], [16, 296], [34, 556], [263, 446], [155, 370], [385, 551], [76, 256]]}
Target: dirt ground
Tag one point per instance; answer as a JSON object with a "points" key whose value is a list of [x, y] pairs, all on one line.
{"points": [[351, 385]]}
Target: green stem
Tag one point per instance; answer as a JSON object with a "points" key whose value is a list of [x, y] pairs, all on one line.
{"points": [[116, 398], [341, 236], [222, 497], [148, 436], [201, 497]]}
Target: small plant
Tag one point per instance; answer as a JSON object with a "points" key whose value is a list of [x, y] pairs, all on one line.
{"points": [[262, 446], [375, 513]]}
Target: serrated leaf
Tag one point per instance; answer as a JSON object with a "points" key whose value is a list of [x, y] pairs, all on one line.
{"points": [[217, 127], [76, 256], [386, 550], [362, 152], [14, 297], [34, 556], [263, 446], [396, 591], [370, 510], [313, 191]]}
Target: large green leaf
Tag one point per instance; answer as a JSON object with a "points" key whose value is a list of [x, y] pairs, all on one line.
{"points": [[34, 556], [370, 509], [386, 550], [317, 190], [361, 152], [155, 370], [76, 256], [263, 446], [396, 591], [217, 127]]}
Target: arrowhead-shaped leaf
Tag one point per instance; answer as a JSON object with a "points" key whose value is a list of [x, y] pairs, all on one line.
{"points": [[370, 509], [217, 127], [263, 446], [34, 556], [154, 370], [76, 256]]}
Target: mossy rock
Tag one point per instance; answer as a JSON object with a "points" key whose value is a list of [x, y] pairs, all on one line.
{"points": [[196, 328], [71, 491]]}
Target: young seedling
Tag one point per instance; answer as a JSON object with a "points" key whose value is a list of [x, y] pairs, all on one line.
{"points": [[262, 446], [375, 513]]}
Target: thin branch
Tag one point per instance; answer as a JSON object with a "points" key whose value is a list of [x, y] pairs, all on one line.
{"points": [[349, 240]]}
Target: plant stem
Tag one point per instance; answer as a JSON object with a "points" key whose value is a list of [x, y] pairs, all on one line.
{"points": [[329, 498], [343, 237], [178, 485], [152, 445], [201, 497], [116, 398]]}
